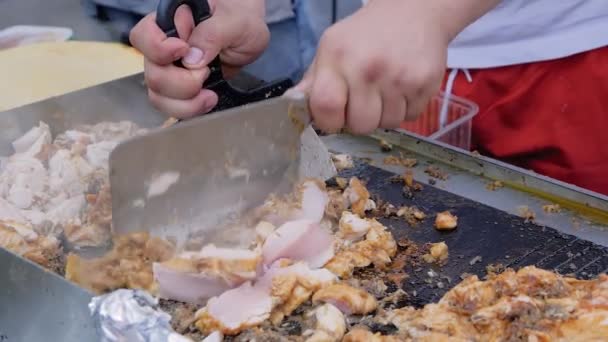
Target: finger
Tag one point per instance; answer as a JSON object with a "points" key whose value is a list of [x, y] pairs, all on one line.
{"points": [[364, 108], [203, 102], [417, 102], [394, 108], [307, 80], [174, 82], [327, 99], [184, 22], [209, 37], [150, 40]]}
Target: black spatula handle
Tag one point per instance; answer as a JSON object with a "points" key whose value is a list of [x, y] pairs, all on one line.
{"points": [[228, 96]]}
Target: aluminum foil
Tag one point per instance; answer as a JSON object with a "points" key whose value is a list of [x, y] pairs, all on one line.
{"points": [[132, 316]]}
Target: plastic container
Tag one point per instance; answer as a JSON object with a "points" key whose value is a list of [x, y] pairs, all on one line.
{"points": [[453, 127]]}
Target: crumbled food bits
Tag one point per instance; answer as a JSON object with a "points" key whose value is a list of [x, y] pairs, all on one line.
{"points": [[385, 146], [438, 253], [330, 325], [551, 208], [526, 213], [475, 260], [411, 214], [436, 172], [495, 185], [446, 221], [408, 178], [169, 122], [400, 161], [342, 182], [342, 161]]}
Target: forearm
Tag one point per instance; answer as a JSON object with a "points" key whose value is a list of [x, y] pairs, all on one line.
{"points": [[452, 16]]}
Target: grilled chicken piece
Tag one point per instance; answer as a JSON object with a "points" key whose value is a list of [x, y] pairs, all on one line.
{"points": [[362, 335], [446, 221], [342, 161], [357, 197], [196, 277], [21, 239], [377, 248], [276, 294], [300, 241], [127, 265], [352, 227], [330, 324], [348, 299], [530, 304], [336, 205], [437, 253]]}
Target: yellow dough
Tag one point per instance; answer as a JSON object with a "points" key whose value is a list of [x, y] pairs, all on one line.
{"points": [[32, 73]]}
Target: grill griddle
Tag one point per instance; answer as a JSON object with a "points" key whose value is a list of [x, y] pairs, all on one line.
{"points": [[483, 232]]}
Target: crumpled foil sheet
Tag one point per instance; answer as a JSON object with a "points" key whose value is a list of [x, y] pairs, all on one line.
{"points": [[132, 316]]}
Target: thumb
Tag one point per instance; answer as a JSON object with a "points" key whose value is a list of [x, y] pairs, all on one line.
{"points": [[305, 85], [209, 37]]}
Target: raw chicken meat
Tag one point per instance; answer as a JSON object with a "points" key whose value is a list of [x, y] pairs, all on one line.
{"points": [[302, 240], [282, 289], [196, 277], [32, 143]]}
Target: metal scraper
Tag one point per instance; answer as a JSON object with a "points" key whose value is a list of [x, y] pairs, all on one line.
{"points": [[186, 181]]}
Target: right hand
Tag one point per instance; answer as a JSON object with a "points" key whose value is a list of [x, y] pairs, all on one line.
{"points": [[237, 31]]}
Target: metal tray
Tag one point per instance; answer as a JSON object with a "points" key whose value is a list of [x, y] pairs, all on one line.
{"points": [[38, 305]]}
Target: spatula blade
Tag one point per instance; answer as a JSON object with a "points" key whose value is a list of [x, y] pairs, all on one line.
{"points": [[187, 179]]}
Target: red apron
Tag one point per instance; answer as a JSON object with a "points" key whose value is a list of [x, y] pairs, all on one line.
{"points": [[550, 117]]}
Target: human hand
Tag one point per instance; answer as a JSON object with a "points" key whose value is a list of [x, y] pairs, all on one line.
{"points": [[378, 67], [236, 31]]}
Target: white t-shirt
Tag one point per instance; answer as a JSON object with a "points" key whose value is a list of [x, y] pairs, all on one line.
{"points": [[522, 31]]}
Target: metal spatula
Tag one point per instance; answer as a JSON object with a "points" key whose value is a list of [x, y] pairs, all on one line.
{"points": [[189, 180]]}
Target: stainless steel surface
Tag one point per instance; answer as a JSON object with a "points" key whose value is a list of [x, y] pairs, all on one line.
{"points": [[55, 310], [583, 212], [221, 165], [123, 99], [37, 305]]}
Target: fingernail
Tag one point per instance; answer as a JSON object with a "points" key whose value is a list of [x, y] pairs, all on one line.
{"points": [[194, 56]]}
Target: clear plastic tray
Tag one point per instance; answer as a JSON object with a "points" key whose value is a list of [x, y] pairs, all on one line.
{"points": [[453, 127]]}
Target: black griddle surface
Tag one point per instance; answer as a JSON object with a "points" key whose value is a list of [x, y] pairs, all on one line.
{"points": [[495, 236]]}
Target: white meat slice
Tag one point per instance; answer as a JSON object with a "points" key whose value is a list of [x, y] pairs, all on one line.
{"points": [[32, 142], [236, 310], [98, 154], [302, 240], [26, 172], [196, 277], [215, 336], [352, 227], [186, 287], [320, 276]]}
